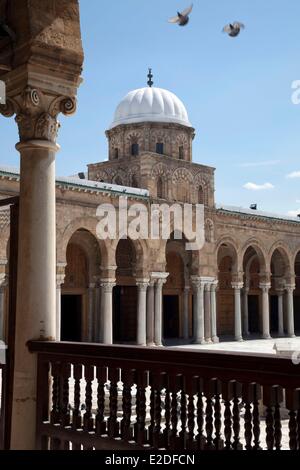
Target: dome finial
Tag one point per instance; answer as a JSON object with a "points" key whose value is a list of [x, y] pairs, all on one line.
{"points": [[150, 76]]}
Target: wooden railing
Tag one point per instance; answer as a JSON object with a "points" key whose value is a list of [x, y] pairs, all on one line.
{"points": [[119, 397], [2, 404]]}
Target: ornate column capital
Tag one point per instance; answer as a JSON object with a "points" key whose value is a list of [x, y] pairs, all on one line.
{"points": [[143, 284], [265, 287], [3, 280], [290, 288], [60, 279], [237, 285], [107, 285], [159, 278], [36, 113]]}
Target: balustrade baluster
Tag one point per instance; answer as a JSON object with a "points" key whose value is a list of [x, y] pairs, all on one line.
{"points": [[191, 389], [248, 398], [65, 408], [167, 415], [174, 388], [101, 374], [76, 415], [113, 427], [227, 397], [201, 439], [293, 405], [256, 390], [209, 420], [157, 384], [216, 391], [183, 414], [88, 423], [56, 382], [128, 379], [237, 392], [140, 427]]}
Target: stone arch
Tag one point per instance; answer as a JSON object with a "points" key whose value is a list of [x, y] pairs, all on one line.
{"points": [[287, 257], [133, 137], [201, 186], [81, 223], [259, 250], [141, 255], [160, 169], [182, 180]]}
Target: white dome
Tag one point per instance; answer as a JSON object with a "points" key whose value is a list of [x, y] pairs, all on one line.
{"points": [[151, 105]]}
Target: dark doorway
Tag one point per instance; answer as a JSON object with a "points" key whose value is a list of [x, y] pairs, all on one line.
{"points": [[171, 316], [253, 313], [297, 312], [274, 314], [125, 314], [71, 317]]}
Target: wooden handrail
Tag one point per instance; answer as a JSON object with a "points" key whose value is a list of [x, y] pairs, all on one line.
{"points": [[174, 390]]}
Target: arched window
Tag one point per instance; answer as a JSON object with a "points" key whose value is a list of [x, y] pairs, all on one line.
{"points": [[181, 153], [201, 199], [160, 189], [116, 153], [135, 149], [160, 148]]}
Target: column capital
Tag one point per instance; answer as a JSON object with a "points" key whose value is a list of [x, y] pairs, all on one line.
{"points": [[143, 284], [107, 285], [159, 278], [265, 286], [290, 287], [237, 285]]}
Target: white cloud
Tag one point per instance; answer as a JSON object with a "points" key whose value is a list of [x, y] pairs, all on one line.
{"points": [[293, 213], [294, 174], [255, 164], [258, 187]]}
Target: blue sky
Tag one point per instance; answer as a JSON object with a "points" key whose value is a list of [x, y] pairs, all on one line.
{"points": [[237, 91]]}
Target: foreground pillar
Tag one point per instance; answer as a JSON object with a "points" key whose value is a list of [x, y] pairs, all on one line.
{"points": [[237, 286], [198, 287], [290, 311], [265, 310], [107, 286], [42, 81], [142, 286], [92, 312]]}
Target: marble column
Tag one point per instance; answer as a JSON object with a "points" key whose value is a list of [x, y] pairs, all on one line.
{"points": [[280, 313], [186, 302], [150, 314], [60, 278], [142, 286], [265, 310], [91, 312], [107, 286], [158, 321], [213, 306], [290, 311], [207, 313], [198, 287], [3, 284], [245, 311], [237, 286]]}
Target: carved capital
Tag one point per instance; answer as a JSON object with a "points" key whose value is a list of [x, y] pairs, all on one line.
{"points": [[107, 285], [36, 113]]}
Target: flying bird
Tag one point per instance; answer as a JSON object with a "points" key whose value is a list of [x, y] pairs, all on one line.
{"points": [[182, 18], [233, 29]]}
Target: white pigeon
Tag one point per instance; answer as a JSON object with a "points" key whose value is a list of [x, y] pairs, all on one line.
{"points": [[182, 18], [233, 29]]}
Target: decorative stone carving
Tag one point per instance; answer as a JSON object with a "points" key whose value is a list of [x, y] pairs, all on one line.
{"points": [[36, 113], [182, 174]]}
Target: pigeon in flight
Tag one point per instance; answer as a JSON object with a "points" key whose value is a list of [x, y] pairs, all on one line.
{"points": [[182, 18], [233, 29]]}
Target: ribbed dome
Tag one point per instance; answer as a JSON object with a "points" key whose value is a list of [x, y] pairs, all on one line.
{"points": [[151, 105]]}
